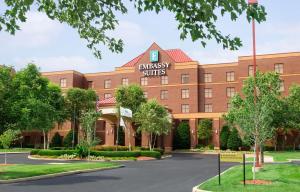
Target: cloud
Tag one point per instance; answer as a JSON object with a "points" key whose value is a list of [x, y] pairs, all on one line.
{"points": [[58, 63], [36, 32]]}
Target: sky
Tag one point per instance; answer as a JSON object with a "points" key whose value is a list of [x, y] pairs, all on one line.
{"points": [[54, 46]]}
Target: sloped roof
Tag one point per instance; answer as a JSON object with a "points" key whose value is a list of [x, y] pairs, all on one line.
{"points": [[108, 101], [176, 54]]}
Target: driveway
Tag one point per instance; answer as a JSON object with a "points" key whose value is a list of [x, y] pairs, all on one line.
{"points": [[177, 174]]}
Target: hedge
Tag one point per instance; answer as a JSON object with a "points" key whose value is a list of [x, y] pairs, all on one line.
{"points": [[110, 148], [154, 154]]}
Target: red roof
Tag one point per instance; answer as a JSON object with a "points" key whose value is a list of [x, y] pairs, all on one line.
{"points": [[108, 101], [176, 54]]}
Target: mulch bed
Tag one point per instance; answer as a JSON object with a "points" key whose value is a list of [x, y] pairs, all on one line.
{"points": [[258, 182], [141, 158]]}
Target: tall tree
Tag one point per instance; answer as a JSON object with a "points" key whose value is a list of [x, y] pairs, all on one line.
{"points": [[153, 119], [7, 138], [205, 130], [79, 101], [254, 114], [95, 19]]}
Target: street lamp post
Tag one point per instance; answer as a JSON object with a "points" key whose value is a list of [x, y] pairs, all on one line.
{"points": [[253, 3]]}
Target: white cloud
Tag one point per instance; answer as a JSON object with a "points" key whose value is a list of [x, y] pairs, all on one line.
{"points": [[37, 31], [58, 63]]}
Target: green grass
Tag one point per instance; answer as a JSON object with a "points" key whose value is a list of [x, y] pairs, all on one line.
{"points": [[284, 177], [280, 156], [16, 150], [27, 170]]}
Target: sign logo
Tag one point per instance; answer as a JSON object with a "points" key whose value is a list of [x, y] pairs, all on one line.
{"points": [[154, 56]]}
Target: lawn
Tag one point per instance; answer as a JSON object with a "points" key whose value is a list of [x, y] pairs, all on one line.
{"points": [[284, 177], [27, 170], [280, 156], [16, 150]]}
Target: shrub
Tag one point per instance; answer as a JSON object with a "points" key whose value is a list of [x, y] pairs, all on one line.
{"points": [[110, 148], [205, 130], [225, 132], [234, 140], [82, 149], [121, 136], [182, 136], [52, 152], [115, 153], [56, 140], [154, 154], [68, 139]]}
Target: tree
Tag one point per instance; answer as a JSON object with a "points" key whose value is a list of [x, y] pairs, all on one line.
{"points": [[234, 140], [205, 130], [68, 139], [79, 101], [255, 115], [7, 138], [225, 132], [95, 19], [153, 119], [182, 136], [56, 140]]}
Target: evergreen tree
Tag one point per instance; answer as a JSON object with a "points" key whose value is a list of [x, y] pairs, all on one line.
{"points": [[182, 136], [234, 140], [224, 135]]}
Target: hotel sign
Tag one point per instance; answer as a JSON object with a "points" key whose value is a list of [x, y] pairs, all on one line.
{"points": [[154, 68]]}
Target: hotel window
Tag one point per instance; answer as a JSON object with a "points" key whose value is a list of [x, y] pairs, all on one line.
{"points": [[164, 80], [281, 89], [228, 106], [185, 108], [107, 84], [107, 95], [208, 108], [185, 78], [90, 84], [230, 76], [278, 68], [207, 77], [230, 91], [208, 93], [250, 70], [63, 82], [125, 81], [185, 93], [146, 94], [164, 94], [144, 81]]}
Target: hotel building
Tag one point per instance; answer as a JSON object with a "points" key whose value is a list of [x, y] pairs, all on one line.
{"points": [[190, 90]]}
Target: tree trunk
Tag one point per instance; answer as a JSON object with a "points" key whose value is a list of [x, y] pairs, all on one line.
{"points": [[261, 154], [296, 139], [48, 137], [44, 135]]}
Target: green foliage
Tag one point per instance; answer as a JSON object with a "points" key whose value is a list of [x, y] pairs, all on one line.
{"points": [[88, 121], [225, 132], [8, 137], [110, 148], [121, 136], [115, 153], [55, 153], [154, 154], [68, 139], [93, 20], [56, 140], [234, 140], [182, 136], [131, 97], [153, 119], [82, 149], [205, 130]]}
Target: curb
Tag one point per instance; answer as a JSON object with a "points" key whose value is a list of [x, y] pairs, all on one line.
{"points": [[195, 188], [48, 176]]}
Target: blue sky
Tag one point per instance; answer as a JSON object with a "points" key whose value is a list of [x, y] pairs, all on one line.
{"points": [[54, 46]]}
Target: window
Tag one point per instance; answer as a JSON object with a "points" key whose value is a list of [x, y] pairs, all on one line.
{"points": [[228, 106], [164, 94], [63, 82], [107, 95], [230, 91], [90, 84], [107, 84], [230, 76], [208, 93], [185, 78], [185, 108], [250, 70], [164, 80], [125, 81], [185, 93], [208, 108], [281, 86], [146, 94], [144, 81], [207, 77], [278, 68]]}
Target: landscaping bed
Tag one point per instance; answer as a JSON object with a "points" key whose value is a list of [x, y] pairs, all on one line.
{"points": [[28, 170], [276, 177]]}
